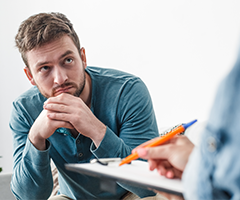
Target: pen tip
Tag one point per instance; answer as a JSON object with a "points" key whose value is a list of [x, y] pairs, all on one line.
{"points": [[189, 124]]}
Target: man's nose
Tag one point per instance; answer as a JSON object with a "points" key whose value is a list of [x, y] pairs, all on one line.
{"points": [[60, 76]]}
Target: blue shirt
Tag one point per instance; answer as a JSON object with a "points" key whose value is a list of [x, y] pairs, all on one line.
{"points": [[213, 171], [120, 100]]}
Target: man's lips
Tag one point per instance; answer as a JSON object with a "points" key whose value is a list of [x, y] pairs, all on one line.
{"points": [[62, 90]]}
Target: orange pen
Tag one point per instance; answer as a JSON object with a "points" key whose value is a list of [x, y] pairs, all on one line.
{"points": [[159, 141]]}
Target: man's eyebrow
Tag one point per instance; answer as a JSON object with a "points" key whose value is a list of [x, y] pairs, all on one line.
{"points": [[66, 53], [62, 56], [42, 63]]}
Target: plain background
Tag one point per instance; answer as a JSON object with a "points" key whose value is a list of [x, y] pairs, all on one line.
{"points": [[180, 49]]}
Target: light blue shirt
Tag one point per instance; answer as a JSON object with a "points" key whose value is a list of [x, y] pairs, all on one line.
{"points": [[213, 171], [120, 100]]}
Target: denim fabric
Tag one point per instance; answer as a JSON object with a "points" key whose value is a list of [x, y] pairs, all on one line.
{"points": [[120, 100], [213, 171]]}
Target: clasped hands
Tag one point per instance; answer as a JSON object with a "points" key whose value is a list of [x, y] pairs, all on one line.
{"points": [[66, 111]]}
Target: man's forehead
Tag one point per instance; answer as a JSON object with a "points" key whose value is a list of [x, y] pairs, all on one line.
{"points": [[52, 51], [46, 59], [38, 59]]}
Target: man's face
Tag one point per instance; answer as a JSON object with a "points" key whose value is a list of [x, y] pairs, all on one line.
{"points": [[57, 68]]}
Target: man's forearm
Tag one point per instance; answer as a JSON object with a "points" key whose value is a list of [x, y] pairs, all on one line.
{"points": [[32, 177], [38, 142], [27, 184]]}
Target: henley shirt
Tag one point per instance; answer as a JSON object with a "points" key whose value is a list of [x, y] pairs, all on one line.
{"points": [[119, 100]]}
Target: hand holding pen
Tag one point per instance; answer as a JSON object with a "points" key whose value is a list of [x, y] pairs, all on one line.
{"points": [[171, 157]]}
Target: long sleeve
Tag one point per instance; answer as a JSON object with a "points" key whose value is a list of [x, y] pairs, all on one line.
{"points": [[32, 178], [135, 118]]}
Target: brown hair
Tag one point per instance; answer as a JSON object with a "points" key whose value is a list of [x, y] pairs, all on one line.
{"points": [[42, 28]]}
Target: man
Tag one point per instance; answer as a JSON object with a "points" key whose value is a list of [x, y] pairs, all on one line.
{"points": [[74, 113], [212, 170]]}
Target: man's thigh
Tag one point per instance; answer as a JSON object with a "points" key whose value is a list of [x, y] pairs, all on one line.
{"points": [[60, 197]]}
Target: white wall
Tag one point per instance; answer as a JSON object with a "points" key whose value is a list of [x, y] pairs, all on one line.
{"points": [[181, 49]]}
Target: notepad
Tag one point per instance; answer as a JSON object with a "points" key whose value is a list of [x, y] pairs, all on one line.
{"points": [[137, 174]]}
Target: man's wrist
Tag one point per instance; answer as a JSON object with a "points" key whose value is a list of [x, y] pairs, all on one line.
{"points": [[99, 137], [38, 142]]}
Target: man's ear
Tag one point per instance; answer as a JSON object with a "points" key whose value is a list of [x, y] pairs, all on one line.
{"points": [[83, 57], [29, 75]]}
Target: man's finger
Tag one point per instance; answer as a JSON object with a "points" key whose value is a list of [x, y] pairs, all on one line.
{"points": [[63, 98]]}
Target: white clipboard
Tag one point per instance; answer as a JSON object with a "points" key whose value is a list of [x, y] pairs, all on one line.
{"points": [[136, 174]]}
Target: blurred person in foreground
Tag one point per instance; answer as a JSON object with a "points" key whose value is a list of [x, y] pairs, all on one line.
{"points": [[212, 170]]}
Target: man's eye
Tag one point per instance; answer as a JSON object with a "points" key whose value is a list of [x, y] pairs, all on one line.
{"points": [[68, 60], [43, 69]]}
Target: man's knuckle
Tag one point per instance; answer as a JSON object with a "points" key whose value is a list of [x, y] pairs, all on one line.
{"points": [[62, 108]]}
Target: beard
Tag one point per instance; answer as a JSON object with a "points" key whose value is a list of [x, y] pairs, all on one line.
{"points": [[79, 88]]}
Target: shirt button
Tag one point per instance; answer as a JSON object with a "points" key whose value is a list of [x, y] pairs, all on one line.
{"points": [[78, 141], [211, 144], [80, 154]]}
